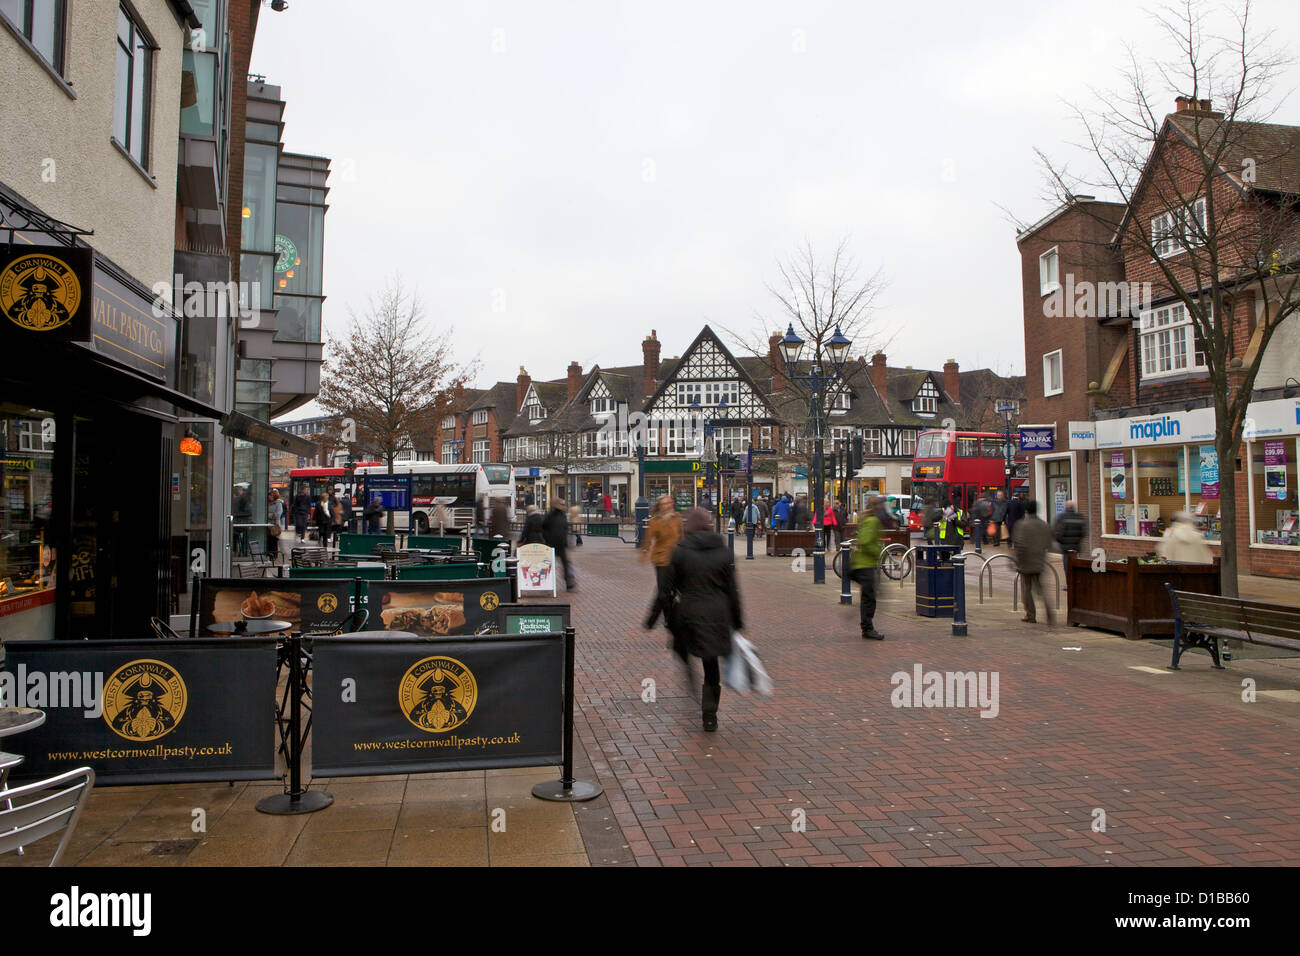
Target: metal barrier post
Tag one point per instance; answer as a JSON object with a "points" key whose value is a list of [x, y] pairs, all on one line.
{"points": [[959, 595], [295, 799], [749, 542], [846, 595], [567, 789]]}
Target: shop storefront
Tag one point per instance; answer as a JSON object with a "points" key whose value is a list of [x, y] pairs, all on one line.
{"points": [[88, 420], [1272, 450], [679, 479], [1148, 467]]}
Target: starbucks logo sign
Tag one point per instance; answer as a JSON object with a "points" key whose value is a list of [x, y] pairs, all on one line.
{"points": [[286, 253]]}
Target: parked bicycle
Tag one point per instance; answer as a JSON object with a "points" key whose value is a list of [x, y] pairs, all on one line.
{"points": [[895, 561]]}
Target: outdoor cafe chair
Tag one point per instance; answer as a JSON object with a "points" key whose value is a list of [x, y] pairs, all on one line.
{"points": [[44, 808], [162, 630]]}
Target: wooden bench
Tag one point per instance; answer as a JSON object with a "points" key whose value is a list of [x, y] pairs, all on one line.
{"points": [[1202, 621], [783, 543]]}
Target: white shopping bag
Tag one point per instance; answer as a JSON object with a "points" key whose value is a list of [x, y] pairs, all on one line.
{"points": [[744, 671]]}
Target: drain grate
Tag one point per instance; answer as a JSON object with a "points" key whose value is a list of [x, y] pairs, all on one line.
{"points": [[641, 708], [173, 848]]}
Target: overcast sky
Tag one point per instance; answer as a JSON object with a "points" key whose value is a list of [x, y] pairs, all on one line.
{"points": [[557, 179]]}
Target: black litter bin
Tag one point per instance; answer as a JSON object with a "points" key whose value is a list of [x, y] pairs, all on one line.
{"points": [[934, 580]]}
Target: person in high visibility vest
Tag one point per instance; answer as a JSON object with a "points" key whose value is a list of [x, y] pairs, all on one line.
{"points": [[952, 526]]}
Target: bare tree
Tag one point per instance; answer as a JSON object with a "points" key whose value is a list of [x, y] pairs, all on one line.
{"points": [[816, 297], [1210, 204], [390, 377]]}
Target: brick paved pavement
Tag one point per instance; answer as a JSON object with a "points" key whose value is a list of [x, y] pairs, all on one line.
{"points": [[1185, 771]]}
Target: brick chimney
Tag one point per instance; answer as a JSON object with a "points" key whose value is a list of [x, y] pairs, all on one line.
{"points": [[649, 362], [878, 377], [951, 383], [1185, 104], [521, 387], [777, 363], [575, 378]]}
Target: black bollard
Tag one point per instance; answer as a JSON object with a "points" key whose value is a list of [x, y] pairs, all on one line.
{"points": [[959, 595], [846, 594], [749, 543]]}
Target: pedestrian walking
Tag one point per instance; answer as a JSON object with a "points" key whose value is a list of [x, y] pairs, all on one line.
{"points": [[532, 530], [300, 514], [662, 535], [499, 519], [830, 527], [702, 582], [321, 518], [336, 519], [374, 514], [575, 515], [930, 521], [349, 516], [998, 515], [865, 567], [1069, 530], [1015, 511], [979, 518], [1031, 540], [781, 513], [275, 523], [608, 503], [1184, 542], [555, 533], [442, 518]]}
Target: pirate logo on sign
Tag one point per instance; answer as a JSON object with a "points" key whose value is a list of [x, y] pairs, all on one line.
{"points": [[327, 603], [144, 700], [437, 694], [488, 600], [39, 292]]}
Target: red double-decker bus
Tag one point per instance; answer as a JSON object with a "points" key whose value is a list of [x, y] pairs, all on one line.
{"points": [[959, 466]]}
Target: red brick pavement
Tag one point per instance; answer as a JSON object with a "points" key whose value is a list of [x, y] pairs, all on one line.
{"points": [[1181, 780]]}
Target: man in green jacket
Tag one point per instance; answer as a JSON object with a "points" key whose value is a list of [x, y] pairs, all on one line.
{"points": [[866, 562]]}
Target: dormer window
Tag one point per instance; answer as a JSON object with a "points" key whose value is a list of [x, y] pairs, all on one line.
{"points": [[926, 401], [1178, 229], [534, 413], [841, 401], [599, 405]]}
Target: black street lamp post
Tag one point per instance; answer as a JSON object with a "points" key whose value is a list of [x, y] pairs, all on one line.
{"points": [[838, 348]]}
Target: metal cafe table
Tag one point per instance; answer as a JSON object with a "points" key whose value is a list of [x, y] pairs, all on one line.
{"points": [[253, 628], [14, 720]]}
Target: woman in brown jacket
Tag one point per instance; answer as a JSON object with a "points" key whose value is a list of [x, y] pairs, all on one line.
{"points": [[661, 537]]}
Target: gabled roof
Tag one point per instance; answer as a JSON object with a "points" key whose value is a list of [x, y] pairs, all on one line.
{"points": [[668, 370], [1274, 150], [501, 399]]}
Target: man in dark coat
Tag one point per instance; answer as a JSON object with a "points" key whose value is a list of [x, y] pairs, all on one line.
{"points": [[1031, 539], [702, 577], [499, 526], [1015, 511], [555, 532], [300, 514], [998, 515], [532, 533], [1069, 531]]}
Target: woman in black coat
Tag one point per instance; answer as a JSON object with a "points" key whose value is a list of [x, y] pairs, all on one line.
{"points": [[704, 602], [532, 532]]}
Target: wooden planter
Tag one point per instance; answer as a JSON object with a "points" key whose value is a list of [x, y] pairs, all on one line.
{"points": [[783, 543], [1129, 597]]}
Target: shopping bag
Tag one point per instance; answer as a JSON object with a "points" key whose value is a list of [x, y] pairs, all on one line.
{"points": [[744, 671]]}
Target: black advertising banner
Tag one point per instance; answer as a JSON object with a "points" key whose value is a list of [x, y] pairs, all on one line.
{"points": [[146, 711], [437, 608], [394, 705], [321, 605], [47, 291]]}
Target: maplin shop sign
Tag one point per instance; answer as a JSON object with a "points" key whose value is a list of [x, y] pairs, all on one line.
{"points": [[1174, 428]]}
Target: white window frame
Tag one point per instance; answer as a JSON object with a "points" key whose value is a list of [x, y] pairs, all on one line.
{"points": [[480, 451], [602, 405], [1172, 232], [909, 443], [1167, 342], [480, 417], [449, 421], [765, 436], [534, 412], [1049, 271], [1048, 389], [926, 400]]}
